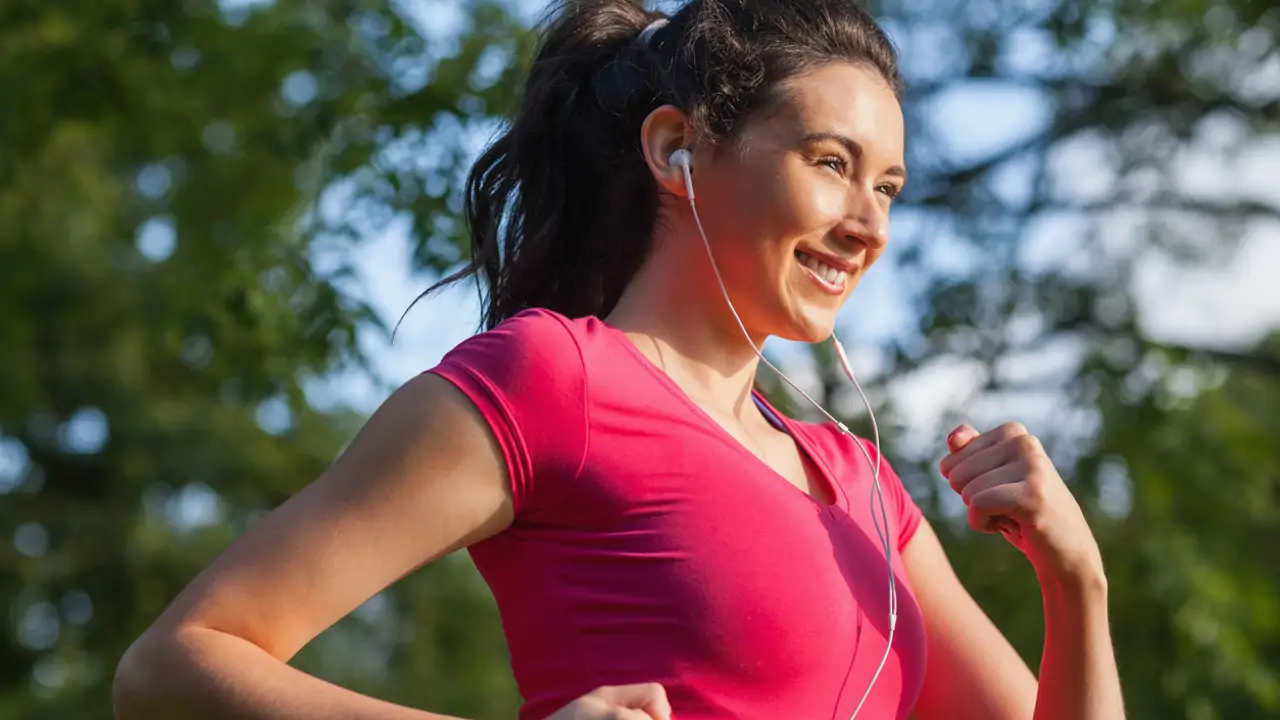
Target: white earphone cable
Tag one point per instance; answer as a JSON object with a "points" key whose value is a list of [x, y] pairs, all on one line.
{"points": [[684, 160]]}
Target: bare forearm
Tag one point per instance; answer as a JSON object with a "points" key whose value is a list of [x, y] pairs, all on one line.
{"points": [[1078, 675], [209, 675]]}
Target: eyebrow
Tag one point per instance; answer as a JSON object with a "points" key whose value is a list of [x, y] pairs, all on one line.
{"points": [[853, 147]]}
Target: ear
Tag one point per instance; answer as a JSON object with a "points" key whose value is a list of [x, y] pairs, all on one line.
{"points": [[664, 131]]}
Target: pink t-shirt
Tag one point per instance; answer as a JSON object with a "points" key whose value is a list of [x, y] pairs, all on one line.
{"points": [[650, 545]]}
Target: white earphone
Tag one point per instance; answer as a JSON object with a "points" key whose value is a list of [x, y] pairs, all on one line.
{"points": [[683, 159]]}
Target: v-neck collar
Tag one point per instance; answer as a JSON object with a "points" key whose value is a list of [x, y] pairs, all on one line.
{"points": [[840, 501]]}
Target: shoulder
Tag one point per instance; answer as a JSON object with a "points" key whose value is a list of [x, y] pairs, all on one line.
{"points": [[528, 379], [533, 343], [529, 366], [532, 327]]}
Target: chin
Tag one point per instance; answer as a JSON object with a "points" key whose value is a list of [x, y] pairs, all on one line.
{"points": [[813, 326], [804, 315]]}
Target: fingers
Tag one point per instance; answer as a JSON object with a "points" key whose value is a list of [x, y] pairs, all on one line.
{"points": [[628, 714], [988, 507], [960, 437], [650, 698], [1006, 445], [993, 494], [988, 470], [1000, 474], [983, 463], [965, 443]]}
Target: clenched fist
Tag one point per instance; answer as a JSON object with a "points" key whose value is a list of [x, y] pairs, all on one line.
{"points": [[644, 701], [1009, 485]]}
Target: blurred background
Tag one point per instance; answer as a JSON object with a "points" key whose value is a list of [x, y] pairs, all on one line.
{"points": [[212, 213]]}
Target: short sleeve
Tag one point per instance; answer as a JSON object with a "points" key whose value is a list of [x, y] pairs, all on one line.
{"points": [[898, 502], [527, 378]]}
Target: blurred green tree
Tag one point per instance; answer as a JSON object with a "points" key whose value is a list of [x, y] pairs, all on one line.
{"points": [[183, 187]]}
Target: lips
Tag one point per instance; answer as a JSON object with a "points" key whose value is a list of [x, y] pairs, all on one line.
{"points": [[833, 275], [830, 277]]}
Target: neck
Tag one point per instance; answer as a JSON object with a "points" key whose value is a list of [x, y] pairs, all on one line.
{"points": [[686, 328]]}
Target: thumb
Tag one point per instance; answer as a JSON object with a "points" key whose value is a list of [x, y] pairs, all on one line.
{"points": [[649, 697], [961, 436]]}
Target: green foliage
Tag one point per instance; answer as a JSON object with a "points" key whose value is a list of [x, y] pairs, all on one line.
{"points": [[1196, 549], [168, 291], [183, 186]]}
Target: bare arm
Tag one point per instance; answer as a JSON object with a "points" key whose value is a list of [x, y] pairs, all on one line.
{"points": [[1009, 485], [424, 477], [1078, 673], [973, 671]]}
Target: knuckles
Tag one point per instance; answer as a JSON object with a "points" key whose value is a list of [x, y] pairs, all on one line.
{"points": [[1028, 445], [1038, 497], [1011, 430]]}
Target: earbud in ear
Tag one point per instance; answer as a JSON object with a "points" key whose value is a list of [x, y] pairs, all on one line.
{"points": [[683, 159]]}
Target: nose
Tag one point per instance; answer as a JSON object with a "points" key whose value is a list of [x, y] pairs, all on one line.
{"points": [[867, 219]]}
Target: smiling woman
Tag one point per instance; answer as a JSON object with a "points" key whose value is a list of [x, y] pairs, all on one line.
{"points": [[795, 205], [658, 538]]}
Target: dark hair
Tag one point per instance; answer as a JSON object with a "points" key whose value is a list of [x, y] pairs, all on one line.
{"points": [[561, 208]]}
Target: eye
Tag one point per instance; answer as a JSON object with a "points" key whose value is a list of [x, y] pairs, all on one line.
{"points": [[889, 189], [836, 163]]}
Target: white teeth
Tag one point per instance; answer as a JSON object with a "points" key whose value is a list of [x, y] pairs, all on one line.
{"points": [[823, 270]]}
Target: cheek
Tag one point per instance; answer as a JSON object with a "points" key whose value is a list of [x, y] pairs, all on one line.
{"points": [[820, 205], [729, 207], [772, 211], [809, 204]]}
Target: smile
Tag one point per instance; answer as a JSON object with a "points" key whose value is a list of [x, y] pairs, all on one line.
{"points": [[832, 280]]}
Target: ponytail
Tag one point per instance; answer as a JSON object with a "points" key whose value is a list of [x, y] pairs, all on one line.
{"points": [[561, 207]]}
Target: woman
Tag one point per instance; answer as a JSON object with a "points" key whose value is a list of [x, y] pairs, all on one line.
{"points": [[658, 539]]}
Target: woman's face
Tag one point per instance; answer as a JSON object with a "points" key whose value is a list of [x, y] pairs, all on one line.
{"points": [[796, 208]]}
